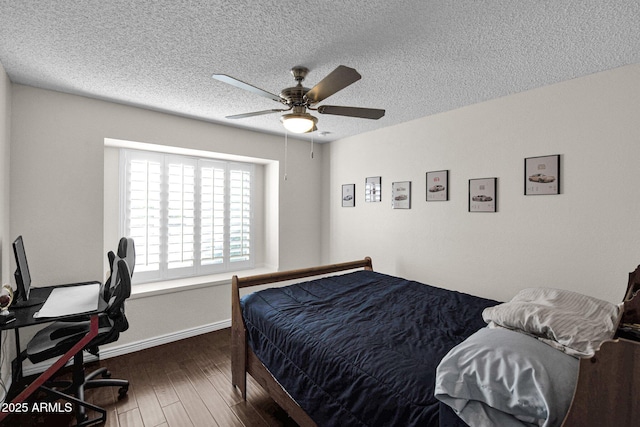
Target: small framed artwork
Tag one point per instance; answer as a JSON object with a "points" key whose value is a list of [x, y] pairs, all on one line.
{"points": [[542, 175], [373, 189], [348, 195], [438, 186], [482, 195], [401, 195]]}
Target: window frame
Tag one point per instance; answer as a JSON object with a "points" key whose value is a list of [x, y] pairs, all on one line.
{"points": [[126, 155]]}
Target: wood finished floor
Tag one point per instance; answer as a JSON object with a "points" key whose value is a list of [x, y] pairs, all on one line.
{"points": [[181, 384]]}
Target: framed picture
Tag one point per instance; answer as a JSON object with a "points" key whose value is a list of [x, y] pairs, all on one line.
{"points": [[483, 194], [438, 186], [401, 195], [373, 189], [348, 195], [542, 175]]}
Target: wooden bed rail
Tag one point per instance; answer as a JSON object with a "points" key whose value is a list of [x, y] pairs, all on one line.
{"points": [[244, 282], [607, 388], [239, 347], [609, 382]]}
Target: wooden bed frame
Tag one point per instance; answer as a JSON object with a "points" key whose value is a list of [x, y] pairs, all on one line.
{"points": [[607, 392]]}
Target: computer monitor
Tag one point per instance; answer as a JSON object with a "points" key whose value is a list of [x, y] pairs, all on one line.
{"points": [[23, 277]]}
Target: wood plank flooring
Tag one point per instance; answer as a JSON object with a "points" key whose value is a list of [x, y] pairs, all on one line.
{"points": [[185, 383]]}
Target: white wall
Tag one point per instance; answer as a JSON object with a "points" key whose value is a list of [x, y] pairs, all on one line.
{"points": [[586, 239], [5, 137], [57, 201], [5, 238]]}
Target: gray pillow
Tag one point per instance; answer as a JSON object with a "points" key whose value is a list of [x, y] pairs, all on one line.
{"points": [[498, 377]]}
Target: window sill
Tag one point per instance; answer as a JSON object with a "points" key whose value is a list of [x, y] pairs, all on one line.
{"points": [[145, 290]]}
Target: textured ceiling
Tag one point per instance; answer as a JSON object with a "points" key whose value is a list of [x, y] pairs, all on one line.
{"points": [[416, 57]]}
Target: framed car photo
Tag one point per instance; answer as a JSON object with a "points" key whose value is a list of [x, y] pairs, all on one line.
{"points": [[348, 195], [438, 186], [401, 195], [542, 175], [373, 189], [483, 194]]}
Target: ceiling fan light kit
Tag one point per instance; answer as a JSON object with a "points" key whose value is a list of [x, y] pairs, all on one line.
{"points": [[298, 123], [299, 99]]}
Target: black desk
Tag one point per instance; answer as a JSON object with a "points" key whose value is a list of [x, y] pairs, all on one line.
{"points": [[24, 318]]}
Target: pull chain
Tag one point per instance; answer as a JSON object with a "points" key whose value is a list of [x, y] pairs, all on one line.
{"points": [[286, 150], [312, 145]]}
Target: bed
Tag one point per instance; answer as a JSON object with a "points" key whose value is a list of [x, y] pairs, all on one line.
{"points": [[364, 348]]}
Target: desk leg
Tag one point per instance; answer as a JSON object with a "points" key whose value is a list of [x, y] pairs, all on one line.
{"points": [[16, 368], [35, 385]]}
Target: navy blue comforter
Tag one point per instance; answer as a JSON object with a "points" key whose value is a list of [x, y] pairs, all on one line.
{"points": [[360, 349]]}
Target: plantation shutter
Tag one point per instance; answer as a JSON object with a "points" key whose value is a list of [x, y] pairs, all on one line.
{"points": [[180, 220], [187, 216], [212, 213], [143, 211], [240, 214]]}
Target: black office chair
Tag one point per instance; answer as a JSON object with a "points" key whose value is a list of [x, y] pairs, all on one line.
{"points": [[57, 338], [127, 252]]}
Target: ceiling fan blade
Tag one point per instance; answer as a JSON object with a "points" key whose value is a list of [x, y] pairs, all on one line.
{"points": [[363, 113], [335, 81], [246, 86], [255, 113]]}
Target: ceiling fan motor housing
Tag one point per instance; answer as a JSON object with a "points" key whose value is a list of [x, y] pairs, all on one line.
{"points": [[294, 96]]}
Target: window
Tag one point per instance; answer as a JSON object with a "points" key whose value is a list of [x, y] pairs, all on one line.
{"points": [[188, 216]]}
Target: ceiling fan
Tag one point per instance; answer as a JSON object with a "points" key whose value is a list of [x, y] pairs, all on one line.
{"points": [[299, 99]]}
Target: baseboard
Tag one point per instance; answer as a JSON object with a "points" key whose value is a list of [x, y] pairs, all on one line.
{"points": [[119, 350]]}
